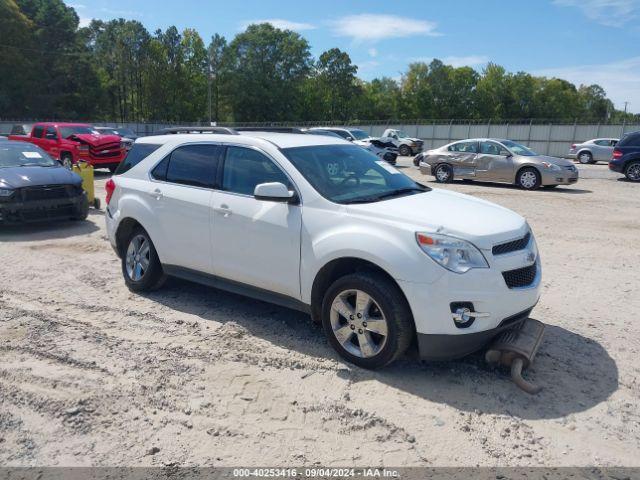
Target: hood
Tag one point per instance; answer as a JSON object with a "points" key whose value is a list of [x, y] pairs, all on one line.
{"points": [[18, 177], [94, 140], [561, 162], [482, 223]]}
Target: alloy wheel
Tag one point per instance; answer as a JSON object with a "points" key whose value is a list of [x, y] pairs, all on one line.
{"points": [[442, 174], [633, 172], [138, 258], [358, 323]]}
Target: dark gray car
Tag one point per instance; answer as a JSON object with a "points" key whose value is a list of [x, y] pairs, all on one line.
{"points": [[34, 187], [497, 160]]}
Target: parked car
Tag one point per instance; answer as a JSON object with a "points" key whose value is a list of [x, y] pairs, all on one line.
{"points": [[355, 135], [379, 148], [406, 145], [34, 187], [127, 135], [21, 129], [593, 151], [318, 224], [626, 157], [495, 160], [74, 142]]}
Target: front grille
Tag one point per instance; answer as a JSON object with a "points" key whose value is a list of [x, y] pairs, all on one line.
{"points": [[512, 246], [106, 151], [521, 277], [571, 168], [62, 211], [49, 192]]}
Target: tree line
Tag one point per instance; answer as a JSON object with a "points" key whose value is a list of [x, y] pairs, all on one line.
{"points": [[119, 71]]}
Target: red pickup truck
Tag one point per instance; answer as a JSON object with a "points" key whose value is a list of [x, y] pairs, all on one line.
{"points": [[74, 142]]}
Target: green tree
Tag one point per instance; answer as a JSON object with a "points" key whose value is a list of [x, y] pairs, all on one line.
{"points": [[266, 70], [336, 79], [216, 74]]}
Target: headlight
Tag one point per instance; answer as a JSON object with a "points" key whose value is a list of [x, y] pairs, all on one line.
{"points": [[5, 192], [550, 166], [454, 254]]}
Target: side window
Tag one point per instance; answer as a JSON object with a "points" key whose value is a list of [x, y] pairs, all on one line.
{"points": [[466, 147], [194, 165], [602, 143], [614, 143], [160, 170], [37, 132], [51, 133], [342, 133], [492, 148], [244, 168]]}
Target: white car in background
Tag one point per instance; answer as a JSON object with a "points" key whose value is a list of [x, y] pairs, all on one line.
{"points": [[318, 224], [406, 145], [592, 151]]}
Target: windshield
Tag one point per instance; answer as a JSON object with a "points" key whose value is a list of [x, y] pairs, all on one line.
{"points": [[518, 149], [401, 134], [124, 132], [24, 155], [107, 131], [350, 174], [66, 132], [359, 134]]}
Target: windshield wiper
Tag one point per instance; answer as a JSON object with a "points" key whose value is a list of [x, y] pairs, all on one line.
{"points": [[400, 191]]}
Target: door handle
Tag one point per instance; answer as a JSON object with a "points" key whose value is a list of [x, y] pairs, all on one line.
{"points": [[223, 209], [157, 193]]}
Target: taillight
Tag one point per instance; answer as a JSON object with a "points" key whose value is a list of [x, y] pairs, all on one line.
{"points": [[617, 154], [573, 146], [110, 186]]}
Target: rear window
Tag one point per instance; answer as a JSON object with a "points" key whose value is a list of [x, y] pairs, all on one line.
{"points": [[138, 152], [631, 140]]}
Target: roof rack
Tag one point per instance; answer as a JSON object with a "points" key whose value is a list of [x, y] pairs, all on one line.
{"points": [[270, 129], [178, 130]]}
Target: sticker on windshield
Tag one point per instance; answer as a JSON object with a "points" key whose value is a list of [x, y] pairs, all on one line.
{"points": [[387, 167], [32, 154]]}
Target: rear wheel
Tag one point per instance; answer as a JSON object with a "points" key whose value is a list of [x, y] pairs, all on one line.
{"points": [[83, 209], [528, 178], [140, 263], [443, 173], [585, 158], [367, 319], [405, 151], [632, 172]]}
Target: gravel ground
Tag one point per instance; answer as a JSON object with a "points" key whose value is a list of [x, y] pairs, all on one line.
{"points": [[92, 374]]}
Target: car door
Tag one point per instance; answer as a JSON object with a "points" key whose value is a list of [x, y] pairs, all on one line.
{"points": [[255, 242], [601, 149], [51, 142], [462, 156], [494, 162], [36, 136], [181, 193]]}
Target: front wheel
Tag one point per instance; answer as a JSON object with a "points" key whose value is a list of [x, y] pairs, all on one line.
{"points": [[633, 172], [141, 266], [67, 161], [528, 178], [405, 151], [367, 319], [443, 173]]}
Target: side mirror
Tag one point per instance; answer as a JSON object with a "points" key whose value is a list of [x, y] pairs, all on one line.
{"points": [[350, 139], [273, 191]]}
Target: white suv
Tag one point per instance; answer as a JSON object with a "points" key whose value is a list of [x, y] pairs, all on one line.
{"points": [[319, 224]]}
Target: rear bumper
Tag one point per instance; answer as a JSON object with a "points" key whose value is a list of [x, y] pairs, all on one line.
{"points": [[12, 213], [616, 166], [449, 347]]}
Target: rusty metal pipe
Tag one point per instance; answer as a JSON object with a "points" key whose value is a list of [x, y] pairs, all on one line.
{"points": [[516, 376]]}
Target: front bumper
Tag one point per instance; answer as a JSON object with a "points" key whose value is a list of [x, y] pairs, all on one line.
{"points": [[486, 289], [12, 213], [425, 168], [563, 176]]}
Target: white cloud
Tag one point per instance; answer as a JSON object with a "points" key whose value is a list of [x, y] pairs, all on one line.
{"points": [[77, 5], [612, 13], [84, 22], [374, 27], [281, 24], [121, 13], [373, 53], [455, 61], [621, 79]]}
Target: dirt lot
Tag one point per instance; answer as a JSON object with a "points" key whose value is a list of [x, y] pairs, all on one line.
{"points": [[91, 374]]}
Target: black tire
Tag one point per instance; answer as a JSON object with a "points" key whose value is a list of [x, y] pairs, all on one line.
{"points": [[96, 203], [632, 172], [443, 173], [388, 301], [525, 180], [83, 209], [153, 277], [585, 158], [67, 160], [405, 151], [416, 160]]}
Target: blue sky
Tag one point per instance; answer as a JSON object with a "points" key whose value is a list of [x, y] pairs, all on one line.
{"points": [[584, 41]]}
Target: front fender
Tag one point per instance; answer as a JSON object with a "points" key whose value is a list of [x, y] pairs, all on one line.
{"points": [[394, 251]]}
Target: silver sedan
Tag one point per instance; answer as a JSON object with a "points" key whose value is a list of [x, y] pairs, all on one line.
{"points": [[495, 160], [592, 151]]}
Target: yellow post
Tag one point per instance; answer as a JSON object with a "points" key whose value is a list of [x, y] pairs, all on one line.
{"points": [[86, 173]]}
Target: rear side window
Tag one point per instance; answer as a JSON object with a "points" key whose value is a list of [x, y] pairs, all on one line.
{"points": [[467, 147], [138, 152], [631, 140], [194, 165], [37, 131]]}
